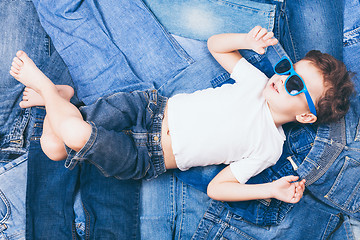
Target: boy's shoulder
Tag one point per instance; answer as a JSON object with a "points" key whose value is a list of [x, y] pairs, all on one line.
{"points": [[244, 69]]}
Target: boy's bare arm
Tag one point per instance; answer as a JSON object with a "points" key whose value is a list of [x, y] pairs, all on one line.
{"points": [[225, 187], [224, 47]]}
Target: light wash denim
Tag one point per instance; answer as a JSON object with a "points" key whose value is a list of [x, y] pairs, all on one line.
{"points": [[12, 198], [293, 22], [351, 59]]}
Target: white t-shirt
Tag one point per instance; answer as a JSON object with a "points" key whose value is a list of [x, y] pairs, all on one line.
{"points": [[231, 124]]}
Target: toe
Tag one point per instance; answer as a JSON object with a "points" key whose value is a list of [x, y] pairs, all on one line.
{"points": [[14, 71], [24, 104], [22, 56], [18, 61], [26, 90], [15, 65], [20, 53]]}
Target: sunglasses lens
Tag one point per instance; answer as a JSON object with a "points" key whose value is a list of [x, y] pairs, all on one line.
{"points": [[283, 66], [294, 85]]}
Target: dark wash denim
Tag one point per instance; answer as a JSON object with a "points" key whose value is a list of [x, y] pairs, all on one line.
{"points": [[15, 123], [125, 141]]}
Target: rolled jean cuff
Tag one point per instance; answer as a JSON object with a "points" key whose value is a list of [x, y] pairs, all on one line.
{"points": [[74, 157]]}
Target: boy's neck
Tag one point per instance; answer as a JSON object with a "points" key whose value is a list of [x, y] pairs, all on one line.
{"points": [[279, 119]]}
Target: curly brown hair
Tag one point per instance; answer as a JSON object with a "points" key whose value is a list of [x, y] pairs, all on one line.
{"points": [[335, 101]]}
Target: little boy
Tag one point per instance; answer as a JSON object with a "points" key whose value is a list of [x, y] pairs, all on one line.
{"points": [[143, 133]]}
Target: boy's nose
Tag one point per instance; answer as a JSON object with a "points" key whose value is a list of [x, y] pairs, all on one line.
{"points": [[282, 80]]}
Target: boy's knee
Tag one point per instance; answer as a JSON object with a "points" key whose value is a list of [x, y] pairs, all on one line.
{"points": [[54, 150], [75, 133]]}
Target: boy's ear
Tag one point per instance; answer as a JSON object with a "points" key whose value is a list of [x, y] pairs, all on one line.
{"points": [[306, 118]]}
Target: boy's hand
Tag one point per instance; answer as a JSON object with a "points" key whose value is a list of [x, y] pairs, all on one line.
{"points": [[285, 189], [259, 39]]}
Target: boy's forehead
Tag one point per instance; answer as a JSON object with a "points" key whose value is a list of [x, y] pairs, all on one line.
{"points": [[307, 69], [312, 77]]}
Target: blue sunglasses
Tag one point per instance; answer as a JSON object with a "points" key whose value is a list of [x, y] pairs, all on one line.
{"points": [[294, 84]]}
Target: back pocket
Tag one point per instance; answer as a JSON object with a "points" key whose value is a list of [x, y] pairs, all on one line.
{"points": [[345, 191]]}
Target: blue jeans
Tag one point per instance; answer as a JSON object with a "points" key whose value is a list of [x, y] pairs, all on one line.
{"points": [[335, 210], [125, 138], [15, 123], [182, 190], [118, 62], [293, 22], [121, 199], [176, 211], [201, 71]]}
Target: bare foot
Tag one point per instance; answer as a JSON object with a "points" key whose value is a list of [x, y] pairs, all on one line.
{"points": [[31, 98], [25, 71]]}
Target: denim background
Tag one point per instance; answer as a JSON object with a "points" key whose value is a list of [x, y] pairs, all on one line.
{"points": [[64, 204]]}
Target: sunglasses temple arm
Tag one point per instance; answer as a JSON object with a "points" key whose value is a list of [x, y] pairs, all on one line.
{"points": [[310, 103]]}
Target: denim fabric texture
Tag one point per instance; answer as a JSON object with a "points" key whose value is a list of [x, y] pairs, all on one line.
{"points": [[16, 123], [293, 22], [125, 142], [50, 204], [95, 190], [329, 163], [118, 62], [297, 151]]}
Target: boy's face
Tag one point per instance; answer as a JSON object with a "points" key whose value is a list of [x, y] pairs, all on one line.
{"points": [[282, 103]]}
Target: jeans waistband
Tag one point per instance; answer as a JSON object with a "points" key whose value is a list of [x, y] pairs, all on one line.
{"points": [[157, 106]]}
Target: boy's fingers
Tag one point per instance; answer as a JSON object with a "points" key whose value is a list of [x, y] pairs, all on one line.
{"points": [[295, 199], [291, 178], [272, 41], [268, 36], [255, 31], [260, 50], [261, 34]]}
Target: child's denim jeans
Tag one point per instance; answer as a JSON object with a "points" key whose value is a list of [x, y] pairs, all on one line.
{"points": [[125, 141]]}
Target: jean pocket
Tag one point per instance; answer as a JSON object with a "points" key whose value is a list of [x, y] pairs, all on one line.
{"points": [[202, 18], [4, 207], [345, 192]]}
